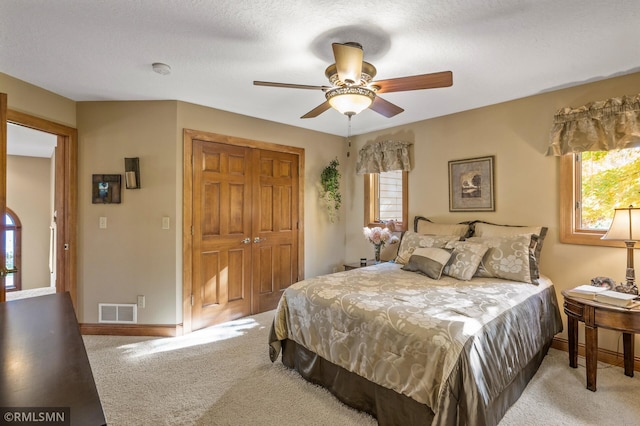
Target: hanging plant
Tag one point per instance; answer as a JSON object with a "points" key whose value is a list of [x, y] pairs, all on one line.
{"points": [[330, 188]]}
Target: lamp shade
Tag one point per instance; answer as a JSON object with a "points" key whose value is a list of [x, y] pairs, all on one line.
{"points": [[625, 225], [350, 99]]}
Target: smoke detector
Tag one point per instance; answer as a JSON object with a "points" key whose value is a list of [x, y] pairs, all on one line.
{"points": [[160, 68]]}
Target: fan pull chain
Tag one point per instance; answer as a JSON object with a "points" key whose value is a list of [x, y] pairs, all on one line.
{"points": [[349, 135]]}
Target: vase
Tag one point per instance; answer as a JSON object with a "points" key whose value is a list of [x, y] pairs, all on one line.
{"points": [[376, 249]]}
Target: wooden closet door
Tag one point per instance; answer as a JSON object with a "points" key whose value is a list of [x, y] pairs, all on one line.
{"points": [[275, 226], [221, 256]]}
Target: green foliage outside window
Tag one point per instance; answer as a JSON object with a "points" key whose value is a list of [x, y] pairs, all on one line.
{"points": [[610, 179]]}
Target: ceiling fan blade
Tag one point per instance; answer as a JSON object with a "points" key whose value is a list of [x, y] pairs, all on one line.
{"points": [[415, 82], [348, 62], [291, 86], [317, 110], [385, 108]]}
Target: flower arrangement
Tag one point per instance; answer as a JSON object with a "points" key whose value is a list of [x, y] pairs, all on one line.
{"points": [[379, 237]]}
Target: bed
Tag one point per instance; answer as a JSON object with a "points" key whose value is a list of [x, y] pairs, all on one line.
{"points": [[450, 333]]}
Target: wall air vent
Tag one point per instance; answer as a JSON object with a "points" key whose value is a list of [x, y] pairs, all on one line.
{"points": [[118, 313]]}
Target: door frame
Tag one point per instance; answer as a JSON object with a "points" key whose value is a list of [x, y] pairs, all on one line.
{"points": [[187, 205], [65, 196]]}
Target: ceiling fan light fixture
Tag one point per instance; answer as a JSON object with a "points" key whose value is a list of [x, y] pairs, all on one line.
{"points": [[350, 100]]}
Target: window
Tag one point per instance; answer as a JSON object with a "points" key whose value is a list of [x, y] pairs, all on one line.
{"points": [[593, 184], [386, 198], [13, 247]]}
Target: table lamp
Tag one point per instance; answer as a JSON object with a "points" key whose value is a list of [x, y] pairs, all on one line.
{"points": [[626, 227]]}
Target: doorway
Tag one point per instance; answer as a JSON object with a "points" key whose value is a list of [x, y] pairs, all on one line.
{"points": [[242, 236], [30, 221], [64, 197]]}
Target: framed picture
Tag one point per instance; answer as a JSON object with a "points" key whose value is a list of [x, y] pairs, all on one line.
{"points": [[471, 185], [105, 189]]}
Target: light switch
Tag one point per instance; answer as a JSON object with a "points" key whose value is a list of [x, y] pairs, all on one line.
{"points": [[165, 222], [103, 222]]}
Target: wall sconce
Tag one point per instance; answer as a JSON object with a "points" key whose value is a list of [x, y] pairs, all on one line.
{"points": [[132, 173]]}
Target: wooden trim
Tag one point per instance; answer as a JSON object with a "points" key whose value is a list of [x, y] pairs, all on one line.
{"points": [[569, 233], [3, 184], [369, 198], [66, 197], [301, 169], [132, 330], [187, 228], [371, 201], [17, 248], [189, 136], [604, 355]]}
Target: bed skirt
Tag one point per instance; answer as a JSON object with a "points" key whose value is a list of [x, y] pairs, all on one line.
{"points": [[387, 406]]}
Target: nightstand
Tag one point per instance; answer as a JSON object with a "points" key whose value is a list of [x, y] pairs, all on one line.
{"points": [[595, 315], [356, 265]]}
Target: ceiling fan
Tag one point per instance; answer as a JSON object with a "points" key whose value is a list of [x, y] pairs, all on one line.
{"points": [[352, 89]]}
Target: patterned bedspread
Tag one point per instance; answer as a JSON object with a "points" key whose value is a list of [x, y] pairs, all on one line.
{"points": [[432, 340]]}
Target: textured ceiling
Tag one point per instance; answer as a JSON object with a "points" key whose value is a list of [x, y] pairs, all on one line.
{"points": [[498, 50]]}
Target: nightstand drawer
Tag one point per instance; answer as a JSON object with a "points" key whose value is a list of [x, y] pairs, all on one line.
{"points": [[573, 309]]}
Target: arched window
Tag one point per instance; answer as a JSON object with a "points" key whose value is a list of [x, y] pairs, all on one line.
{"points": [[13, 255]]}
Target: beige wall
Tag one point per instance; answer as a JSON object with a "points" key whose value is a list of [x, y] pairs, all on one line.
{"points": [[33, 100], [29, 189], [526, 180], [133, 255]]}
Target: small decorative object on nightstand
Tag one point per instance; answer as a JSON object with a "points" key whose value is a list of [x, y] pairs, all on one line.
{"points": [[603, 282], [356, 265]]}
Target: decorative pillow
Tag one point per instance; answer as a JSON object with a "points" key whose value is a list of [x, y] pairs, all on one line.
{"points": [[509, 257], [425, 227], [411, 241], [429, 261], [465, 259], [485, 229]]}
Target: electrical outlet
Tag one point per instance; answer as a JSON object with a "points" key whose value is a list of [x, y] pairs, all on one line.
{"points": [[103, 222], [141, 302]]}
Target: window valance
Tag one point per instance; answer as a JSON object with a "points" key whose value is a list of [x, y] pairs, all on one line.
{"points": [[598, 126], [384, 156]]}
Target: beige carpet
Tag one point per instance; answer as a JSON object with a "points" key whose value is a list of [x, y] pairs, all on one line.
{"points": [[222, 376], [33, 292]]}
